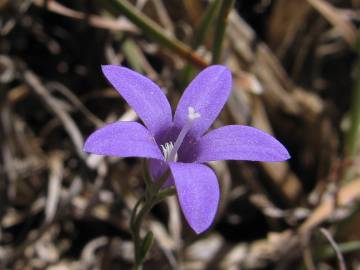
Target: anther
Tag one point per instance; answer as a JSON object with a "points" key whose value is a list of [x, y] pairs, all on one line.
{"points": [[166, 149]]}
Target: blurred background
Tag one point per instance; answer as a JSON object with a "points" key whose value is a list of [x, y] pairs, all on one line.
{"points": [[296, 76]]}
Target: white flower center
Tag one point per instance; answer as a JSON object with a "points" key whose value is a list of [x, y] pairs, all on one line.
{"points": [[170, 149], [166, 149]]}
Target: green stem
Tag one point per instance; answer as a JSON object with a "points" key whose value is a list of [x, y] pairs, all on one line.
{"points": [[135, 210], [136, 234], [225, 8], [155, 32], [204, 26], [147, 179], [153, 196], [165, 193], [352, 138]]}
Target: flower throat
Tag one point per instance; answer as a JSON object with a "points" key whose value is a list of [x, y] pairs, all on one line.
{"points": [[170, 149]]}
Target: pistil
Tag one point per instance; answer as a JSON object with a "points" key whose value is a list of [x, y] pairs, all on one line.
{"points": [[192, 116]]}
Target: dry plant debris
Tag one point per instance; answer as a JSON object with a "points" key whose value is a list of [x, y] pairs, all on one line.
{"points": [[295, 76]]}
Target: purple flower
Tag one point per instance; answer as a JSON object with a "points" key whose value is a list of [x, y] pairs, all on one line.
{"points": [[179, 142]]}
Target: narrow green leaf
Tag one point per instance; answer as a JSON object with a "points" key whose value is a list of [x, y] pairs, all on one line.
{"points": [[199, 36], [352, 138], [220, 29], [146, 244], [157, 33], [133, 55], [165, 193]]}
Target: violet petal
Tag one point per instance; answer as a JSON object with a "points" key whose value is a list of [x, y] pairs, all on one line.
{"points": [[207, 94], [143, 95], [237, 142], [123, 139], [198, 192]]}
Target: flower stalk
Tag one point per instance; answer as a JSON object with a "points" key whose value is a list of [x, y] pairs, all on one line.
{"points": [[152, 196]]}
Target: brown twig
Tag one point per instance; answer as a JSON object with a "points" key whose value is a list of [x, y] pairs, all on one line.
{"points": [[34, 82], [330, 13], [93, 20], [340, 257]]}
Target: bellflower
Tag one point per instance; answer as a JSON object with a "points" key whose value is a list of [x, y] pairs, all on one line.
{"points": [[178, 143]]}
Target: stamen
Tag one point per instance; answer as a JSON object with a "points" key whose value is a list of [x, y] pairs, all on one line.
{"points": [[166, 149], [192, 116]]}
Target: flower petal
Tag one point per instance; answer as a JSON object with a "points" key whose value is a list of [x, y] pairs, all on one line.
{"points": [[123, 139], [207, 94], [240, 143], [198, 192], [143, 95]]}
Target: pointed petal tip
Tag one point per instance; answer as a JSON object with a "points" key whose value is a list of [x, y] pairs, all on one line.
{"points": [[142, 94], [123, 139], [283, 153], [88, 145], [222, 68], [286, 155], [279, 153], [236, 142], [207, 93], [111, 72], [200, 229], [106, 67], [198, 193], [219, 67]]}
